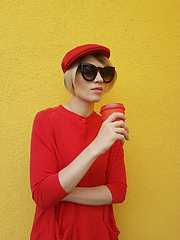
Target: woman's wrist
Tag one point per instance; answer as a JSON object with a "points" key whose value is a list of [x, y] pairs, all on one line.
{"points": [[94, 150]]}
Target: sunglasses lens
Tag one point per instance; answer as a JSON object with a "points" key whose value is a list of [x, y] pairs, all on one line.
{"points": [[89, 72], [107, 74]]}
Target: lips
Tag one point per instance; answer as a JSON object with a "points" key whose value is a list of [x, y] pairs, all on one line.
{"points": [[97, 89]]}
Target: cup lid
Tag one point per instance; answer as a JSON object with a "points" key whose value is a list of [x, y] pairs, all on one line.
{"points": [[112, 105]]}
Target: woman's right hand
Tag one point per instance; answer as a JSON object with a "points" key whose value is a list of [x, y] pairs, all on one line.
{"points": [[111, 131]]}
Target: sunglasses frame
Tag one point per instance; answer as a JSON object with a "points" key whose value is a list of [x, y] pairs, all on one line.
{"points": [[97, 69]]}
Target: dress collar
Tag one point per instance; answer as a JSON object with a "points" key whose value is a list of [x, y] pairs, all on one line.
{"points": [[78, 117]]}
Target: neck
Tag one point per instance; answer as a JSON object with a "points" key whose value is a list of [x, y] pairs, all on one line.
{"points": [[81, 108]]}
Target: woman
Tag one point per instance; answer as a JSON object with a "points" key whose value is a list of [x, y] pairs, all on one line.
{"points": [[77, 163]]}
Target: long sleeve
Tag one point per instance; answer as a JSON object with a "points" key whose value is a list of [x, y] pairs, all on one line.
{"points": [[116, 174], [44, 167]]}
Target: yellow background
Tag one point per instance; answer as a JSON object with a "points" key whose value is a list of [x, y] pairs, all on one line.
{"points": [[144, 40]]}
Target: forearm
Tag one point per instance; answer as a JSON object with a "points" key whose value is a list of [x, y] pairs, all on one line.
{"points": [[71, 175], [99, 195]]}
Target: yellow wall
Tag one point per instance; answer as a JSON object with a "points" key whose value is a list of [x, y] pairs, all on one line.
{"points": [[144, 39]]}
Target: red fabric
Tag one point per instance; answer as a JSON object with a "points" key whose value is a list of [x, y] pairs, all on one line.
{"points": [[59, 136], [82, 51]]}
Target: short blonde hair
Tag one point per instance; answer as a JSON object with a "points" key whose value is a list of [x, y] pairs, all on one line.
{"points": [[70, 74]]}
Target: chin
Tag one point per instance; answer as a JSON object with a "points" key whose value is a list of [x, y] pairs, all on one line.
{"points": [[96, 99]]}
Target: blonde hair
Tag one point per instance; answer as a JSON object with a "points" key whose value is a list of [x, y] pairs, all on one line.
{"points": [[70, 74]]}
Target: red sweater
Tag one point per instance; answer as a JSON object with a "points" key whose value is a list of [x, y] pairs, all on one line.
{"points": [[59, 136]]}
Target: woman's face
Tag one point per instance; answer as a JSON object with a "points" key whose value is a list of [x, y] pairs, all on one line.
{"points": [[89, 91]]}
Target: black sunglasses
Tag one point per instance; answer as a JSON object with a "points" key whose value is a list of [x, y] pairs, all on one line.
{"points": [[89, 72]]}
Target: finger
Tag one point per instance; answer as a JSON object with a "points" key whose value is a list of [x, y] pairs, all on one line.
{"points": [[123, 132], [123, 141], [121, 124], [115, 115], [121, 138]]}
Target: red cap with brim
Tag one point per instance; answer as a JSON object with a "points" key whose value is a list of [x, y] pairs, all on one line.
{"points": [[82, 51]]}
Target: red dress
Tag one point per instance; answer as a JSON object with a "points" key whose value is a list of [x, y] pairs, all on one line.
{"points": [[59, 136]]}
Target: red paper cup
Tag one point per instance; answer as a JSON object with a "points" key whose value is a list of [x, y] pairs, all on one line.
{"points": [[108, 109]]}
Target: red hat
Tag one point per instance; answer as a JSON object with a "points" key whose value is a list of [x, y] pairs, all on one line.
{"points": [[82, 51]]}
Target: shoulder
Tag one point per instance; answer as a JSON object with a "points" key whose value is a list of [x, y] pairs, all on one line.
{"points": [[43, 117], [46, 113]]}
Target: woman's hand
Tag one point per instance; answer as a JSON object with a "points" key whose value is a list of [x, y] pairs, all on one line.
{"points": [[111, 131]]}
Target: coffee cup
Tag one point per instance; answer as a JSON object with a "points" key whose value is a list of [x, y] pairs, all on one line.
{"points": [[108, 109]]}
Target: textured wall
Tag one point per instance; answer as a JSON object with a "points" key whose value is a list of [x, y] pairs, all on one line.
{"points": [[144, 39]]}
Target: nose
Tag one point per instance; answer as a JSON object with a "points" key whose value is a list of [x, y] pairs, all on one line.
{"points": [[98, 78]]}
